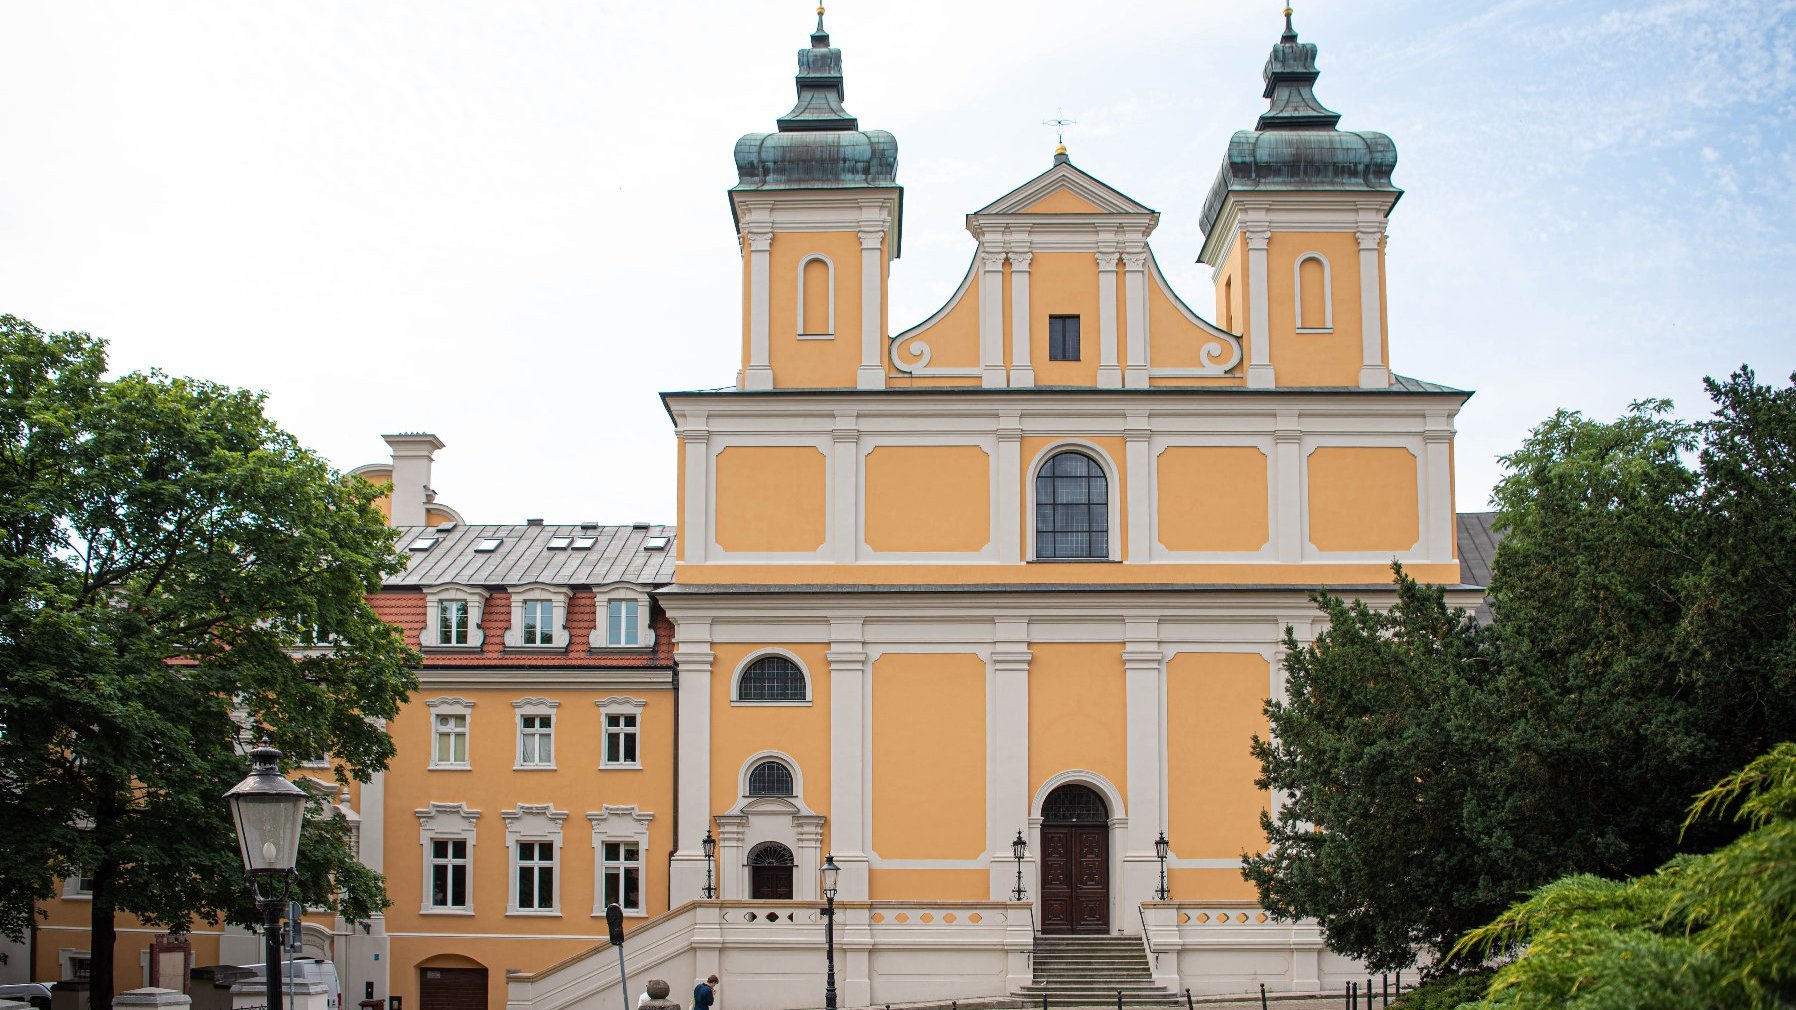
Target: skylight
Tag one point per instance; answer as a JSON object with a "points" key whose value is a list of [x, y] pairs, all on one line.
{"points": [[654, 543], [559, 543], [584, 543], [422, 544], [487, 545]]}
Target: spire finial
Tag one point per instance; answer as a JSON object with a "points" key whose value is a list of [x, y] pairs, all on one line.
{"points": [[821, 32], [1290, 32]]}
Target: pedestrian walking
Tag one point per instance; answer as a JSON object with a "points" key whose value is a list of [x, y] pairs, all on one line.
{"points": [[704, 995]]}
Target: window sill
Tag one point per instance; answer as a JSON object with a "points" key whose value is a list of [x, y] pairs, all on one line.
{"points": [[739, 703], [609, 647], [1315, 329], [599, 913], [816, 336], [451, 768], [532, 768], [635, 766], [510, 649], [445, 911], [448, 648], [527, 913], [78, 897], [1074, 561]]}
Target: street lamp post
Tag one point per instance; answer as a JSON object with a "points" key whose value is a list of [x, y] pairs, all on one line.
{"points": [[710, 845], [830, 872], [1161, 847], [268, 811], [1019, 849]]}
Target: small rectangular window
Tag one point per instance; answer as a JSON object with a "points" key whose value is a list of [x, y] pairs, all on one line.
{"points": [[81, 968], [536, 876], [620, 740], [620, 623], [536, 741], [539, 622], [655, 543], [422, 544], [559, 543], [452, 740], [452, 622], [449, 873], [623, 876], [487, 545], [1063, 338], [584, 543]]}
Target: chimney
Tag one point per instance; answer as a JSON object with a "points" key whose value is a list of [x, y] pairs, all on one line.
{"points": [[412, 456]]}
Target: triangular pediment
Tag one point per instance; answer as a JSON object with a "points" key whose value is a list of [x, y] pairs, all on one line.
{"points": [[1064, 189]]}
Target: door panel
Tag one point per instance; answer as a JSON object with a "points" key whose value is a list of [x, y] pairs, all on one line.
{"points": [[452, 988], [1075, 878], [771, 882], [1056, 878]]}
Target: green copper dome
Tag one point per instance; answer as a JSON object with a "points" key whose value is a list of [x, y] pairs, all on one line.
{"points": [[818, 145], [1296, 145]]}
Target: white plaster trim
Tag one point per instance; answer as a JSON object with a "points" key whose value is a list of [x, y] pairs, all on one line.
{"points": [[532, 822], [1266, 552], [750, 660], [755, 760], [619, 705], [446, 822], [452, 706], [1084, 777], [988, 552], [538, 706], [1416, 551], [920, 364], [1063, 176], [538, 592], [1328, 294], [1118, 523], [620, 824], [822, 441], [474, 597], [600, 636], [829, 332]]}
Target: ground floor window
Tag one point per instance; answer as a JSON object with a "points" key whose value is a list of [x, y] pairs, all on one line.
{"points": [[623, 876]]}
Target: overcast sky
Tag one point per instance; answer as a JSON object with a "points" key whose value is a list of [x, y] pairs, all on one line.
{"points": [[506, 222]]}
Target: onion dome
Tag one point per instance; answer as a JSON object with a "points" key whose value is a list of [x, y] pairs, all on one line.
{"points": [[1295, 145], [818, 144]]}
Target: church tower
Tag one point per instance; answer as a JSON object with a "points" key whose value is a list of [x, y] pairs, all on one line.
{"points": [[1295, 229], [817, 209]]}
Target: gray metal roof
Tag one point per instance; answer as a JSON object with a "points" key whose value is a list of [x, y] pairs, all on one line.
{"points": [[1478, 540], [523, 555], [818, 144]]}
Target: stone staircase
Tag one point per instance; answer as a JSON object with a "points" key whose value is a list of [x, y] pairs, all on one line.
{"points": [[1089, 971]]}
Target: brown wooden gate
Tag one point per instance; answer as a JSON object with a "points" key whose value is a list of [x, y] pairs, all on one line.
{"points": [[1075, 862], [452, 988]]}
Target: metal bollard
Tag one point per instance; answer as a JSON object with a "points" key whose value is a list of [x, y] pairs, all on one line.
{"points": [[1353, 996], [1262, 996], [1384, 982]]}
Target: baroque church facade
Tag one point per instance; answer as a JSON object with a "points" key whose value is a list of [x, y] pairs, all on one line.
{"points": [[985, 610]]}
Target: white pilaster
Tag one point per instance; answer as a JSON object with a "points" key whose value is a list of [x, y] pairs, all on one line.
{"points": [[1437, 479], [686, 875], [1022, 370], [695, 523], [1135, 312], [1146, 759], [1287, 489], [844, 533], [371, 845], [872, 373], [1007, 757], [1009, 488], [759, 374], [849, 758], [1259, 312], [1374, 373], [1140, 482], [991, 317], [1109, 371]]}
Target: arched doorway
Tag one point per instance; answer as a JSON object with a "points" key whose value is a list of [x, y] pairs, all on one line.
{"points": [[1075, 861], [770, 872]]}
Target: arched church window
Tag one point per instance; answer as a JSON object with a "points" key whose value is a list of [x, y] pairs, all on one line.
{"points": [[770, 778], [1314, 297], [816, 297], [771, 678], [1075, 803], [1072, 508]]}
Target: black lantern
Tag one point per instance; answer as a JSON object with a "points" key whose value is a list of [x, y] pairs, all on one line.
{"points": [[1161, 848], [831, 872], [268, 812], [1019, 849], [710, 845]]}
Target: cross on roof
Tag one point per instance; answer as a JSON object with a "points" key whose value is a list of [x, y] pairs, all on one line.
{"points": [[1059, 123]]}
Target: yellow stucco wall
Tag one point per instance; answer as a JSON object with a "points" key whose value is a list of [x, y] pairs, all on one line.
{"points": [[1363, 498], [928, 755], [953, 341], [770, 498], [1267, 573], [814, 364], [1064, 284], [1214, 705], [927, 885], [1314, 359], [1213, 498], [740, 731], [928, 498], [1174, 341], [1078, 715], [1062, 201]]}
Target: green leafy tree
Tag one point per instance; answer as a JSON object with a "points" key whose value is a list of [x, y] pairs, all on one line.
{"points": [[167, 555], [1377, 745], [1705, 932]]}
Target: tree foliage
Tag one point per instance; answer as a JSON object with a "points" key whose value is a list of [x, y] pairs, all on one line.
{"points": [[1705, 932], [1645, 644], [167, 556]]}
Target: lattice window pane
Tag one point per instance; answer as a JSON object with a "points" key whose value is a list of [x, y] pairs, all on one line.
{"points": [[771, 678], [770, 778]]}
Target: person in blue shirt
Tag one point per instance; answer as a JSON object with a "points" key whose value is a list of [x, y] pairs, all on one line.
{"points": [[704, 995]]}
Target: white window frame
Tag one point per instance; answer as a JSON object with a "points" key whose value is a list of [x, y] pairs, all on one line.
{"points": [[1328, 294], [619, 706], [452, 706], [600, 639], [536, 708], [624, 824], [1118, 523], [66, 958], [749, 660], [72, 890], [475, 598], [532, 822], [557, 596], [798, 324], [446, 822]]}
